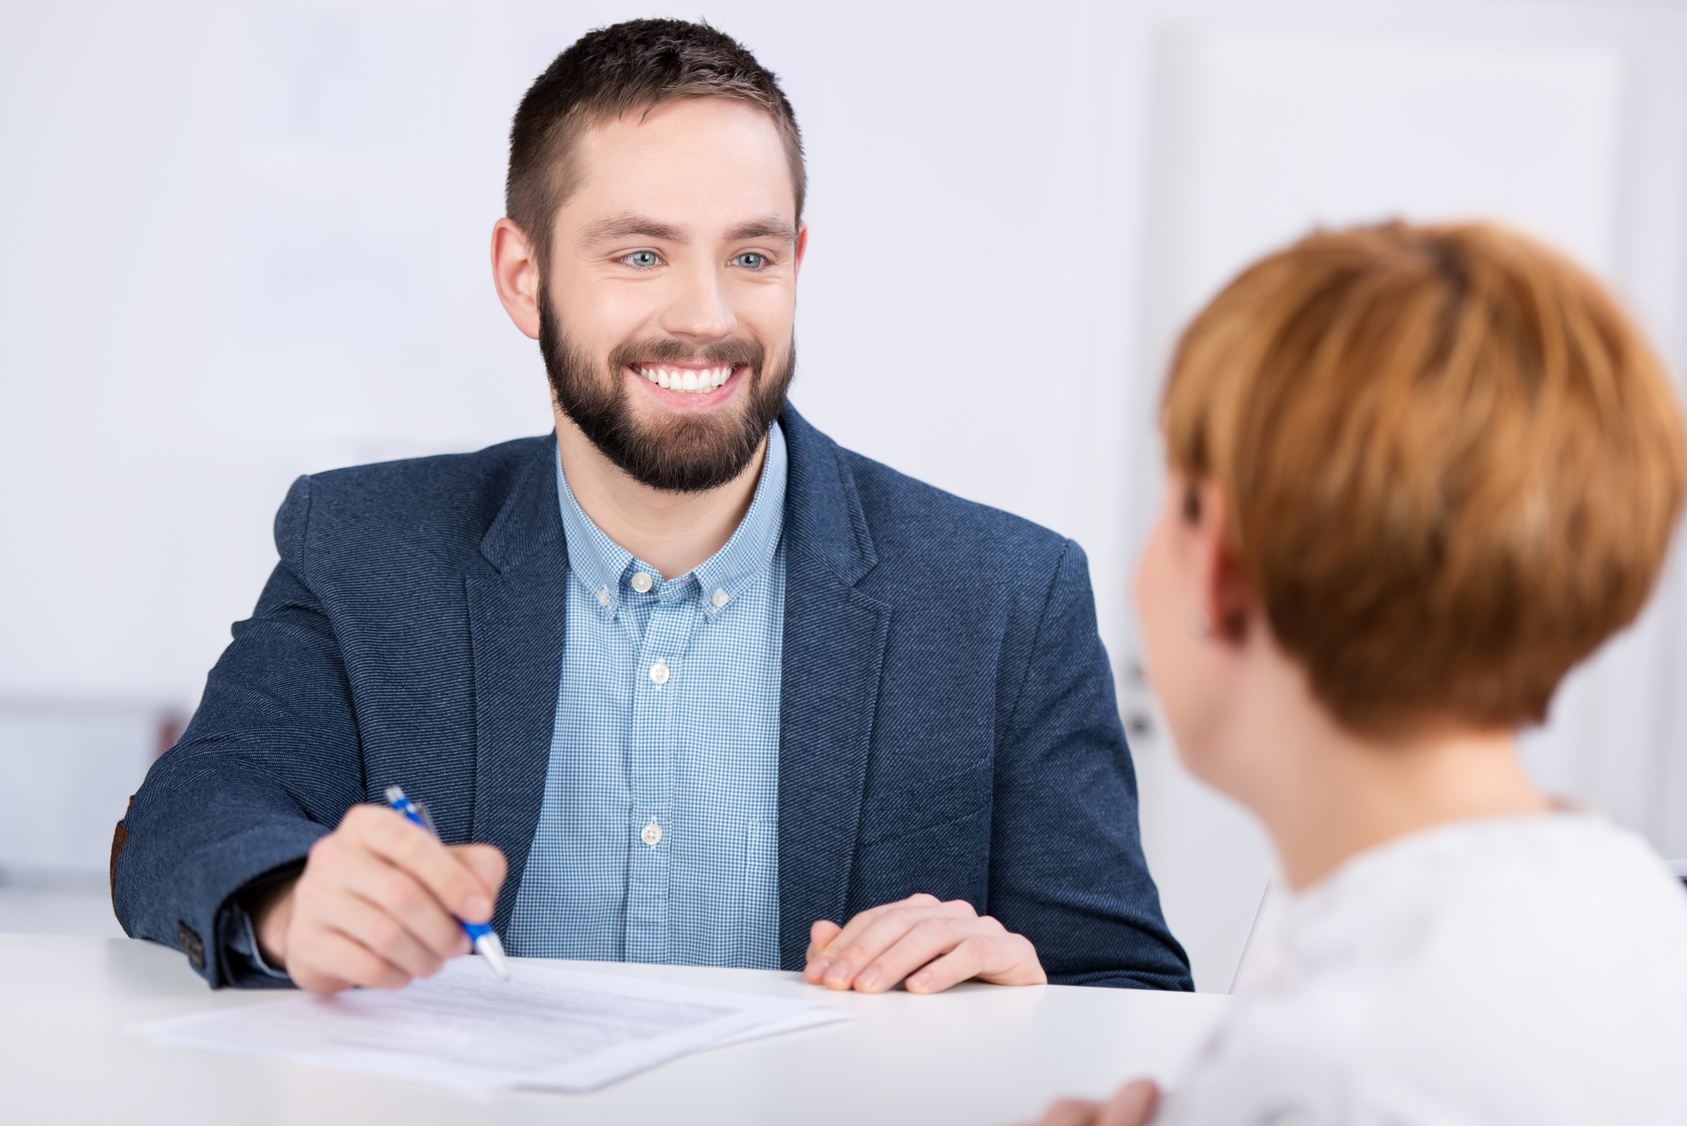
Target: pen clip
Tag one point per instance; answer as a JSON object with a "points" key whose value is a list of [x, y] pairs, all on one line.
{"points": [[427, 818], [403, 803]]}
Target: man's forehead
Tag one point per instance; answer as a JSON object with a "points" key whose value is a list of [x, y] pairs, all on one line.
{"points": [[680, 159], [684, 118]]}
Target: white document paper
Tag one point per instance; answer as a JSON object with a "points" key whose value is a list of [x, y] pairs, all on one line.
{"points": [[549, 1028]]}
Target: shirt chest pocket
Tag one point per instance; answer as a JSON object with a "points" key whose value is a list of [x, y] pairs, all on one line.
{"points": [[920, 803]]}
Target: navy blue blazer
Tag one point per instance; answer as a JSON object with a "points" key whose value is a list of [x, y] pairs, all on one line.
{"points": [[947, 716]]}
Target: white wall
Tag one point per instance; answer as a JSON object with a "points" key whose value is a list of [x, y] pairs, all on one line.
{"points": [[246, 241]]}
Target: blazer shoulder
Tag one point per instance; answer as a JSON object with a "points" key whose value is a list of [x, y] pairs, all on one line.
{"points": [[440, 503], [906, 514]]}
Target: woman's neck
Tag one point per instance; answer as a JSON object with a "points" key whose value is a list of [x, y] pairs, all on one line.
{"points": [[1330, 794]]}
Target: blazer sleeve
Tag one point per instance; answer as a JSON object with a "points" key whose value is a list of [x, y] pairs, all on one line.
{"points": [[1066, 862], [269, 763]]}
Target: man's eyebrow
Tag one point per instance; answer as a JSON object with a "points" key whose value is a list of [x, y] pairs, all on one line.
{"points": [[631, 226], [770, 227]]}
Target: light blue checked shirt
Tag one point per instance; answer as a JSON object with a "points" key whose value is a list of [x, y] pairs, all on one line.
{"points": [[657, 835]]}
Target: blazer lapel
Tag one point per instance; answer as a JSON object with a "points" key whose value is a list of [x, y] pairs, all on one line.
{"points": [[833, 654], [516, 620]]}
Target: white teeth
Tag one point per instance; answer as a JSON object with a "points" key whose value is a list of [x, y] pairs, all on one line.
{"points": [[684, 379]]}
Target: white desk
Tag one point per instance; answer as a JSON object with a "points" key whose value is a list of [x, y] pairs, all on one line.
{"points": [[978, 1054]]}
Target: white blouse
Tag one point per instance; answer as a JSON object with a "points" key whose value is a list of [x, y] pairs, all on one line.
{"points": [[1528, 970]]}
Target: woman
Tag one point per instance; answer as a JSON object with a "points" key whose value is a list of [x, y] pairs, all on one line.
{"points": [[1416, 474]]}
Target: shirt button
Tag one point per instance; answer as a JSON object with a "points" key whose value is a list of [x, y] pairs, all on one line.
{"points": [[641, 582], [651, 834], [719, 598], [603, 597], [659, 673]]}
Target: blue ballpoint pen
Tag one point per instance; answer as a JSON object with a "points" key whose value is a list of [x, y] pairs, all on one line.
{"points": [[485, 939]]}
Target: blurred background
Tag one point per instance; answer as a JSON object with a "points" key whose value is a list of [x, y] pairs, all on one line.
{"points": [[244, 241]]}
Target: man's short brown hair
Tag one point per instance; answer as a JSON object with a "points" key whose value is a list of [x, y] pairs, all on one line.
{"points": [[1453, 465], [632, 67]]}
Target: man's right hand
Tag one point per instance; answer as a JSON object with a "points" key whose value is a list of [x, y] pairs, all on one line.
{"points": [[377, 904]]}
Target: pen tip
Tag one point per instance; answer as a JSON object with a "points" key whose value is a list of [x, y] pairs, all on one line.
{"points": [[493, 951]]}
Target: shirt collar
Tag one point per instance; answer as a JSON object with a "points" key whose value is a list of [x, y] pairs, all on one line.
{"points": [[602, 563], [750, 550]]}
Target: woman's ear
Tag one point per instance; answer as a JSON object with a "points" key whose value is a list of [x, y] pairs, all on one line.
{"points": [[1229, 601]]}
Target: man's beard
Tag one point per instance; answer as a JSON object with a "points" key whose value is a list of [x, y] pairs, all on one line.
{"points": [[681, 454]]}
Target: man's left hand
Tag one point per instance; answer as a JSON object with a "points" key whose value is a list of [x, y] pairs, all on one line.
{"points": [[931, 944]]}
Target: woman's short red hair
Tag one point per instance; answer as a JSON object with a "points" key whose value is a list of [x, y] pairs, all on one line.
{"points": [[1453, 464]]}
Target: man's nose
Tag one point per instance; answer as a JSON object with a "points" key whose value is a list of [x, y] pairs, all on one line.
{"points": [[699, 309]]}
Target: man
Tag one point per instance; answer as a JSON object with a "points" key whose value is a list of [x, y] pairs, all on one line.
{"points": [[708, 683]]}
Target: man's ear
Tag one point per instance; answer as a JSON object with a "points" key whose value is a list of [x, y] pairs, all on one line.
{"points": [[515, 273], [1229, 600]]}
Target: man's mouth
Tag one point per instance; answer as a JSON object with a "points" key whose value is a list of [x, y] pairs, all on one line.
{"points": [[698, 381]]}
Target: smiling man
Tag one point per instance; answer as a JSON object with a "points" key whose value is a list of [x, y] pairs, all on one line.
{"points": [[688, 682]]}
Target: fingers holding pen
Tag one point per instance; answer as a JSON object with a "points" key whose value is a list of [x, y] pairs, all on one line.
{"points": [[378, 903], [348, 872], [326, 961], [488, 863], [387, 937], [458, 886]]}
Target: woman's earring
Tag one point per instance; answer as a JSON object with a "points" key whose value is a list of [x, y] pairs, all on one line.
{"points": [[1199, 624]]}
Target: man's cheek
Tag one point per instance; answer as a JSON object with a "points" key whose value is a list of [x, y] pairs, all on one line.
{"points": [[631, 312]]}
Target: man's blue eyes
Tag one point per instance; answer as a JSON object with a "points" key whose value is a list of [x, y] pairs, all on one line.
{"points": [[647, 259]]}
